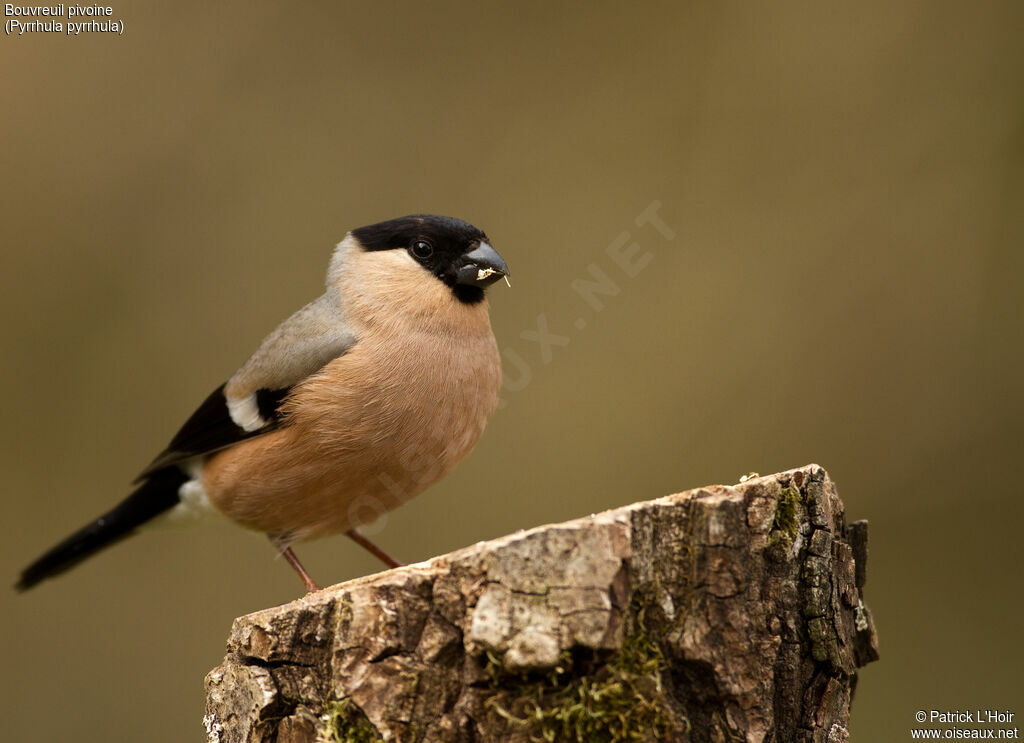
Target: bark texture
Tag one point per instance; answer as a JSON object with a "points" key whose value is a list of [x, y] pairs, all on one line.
{"points": [[727, 613]]}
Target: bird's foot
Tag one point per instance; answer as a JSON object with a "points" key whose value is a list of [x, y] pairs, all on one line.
{"points": [[293, 560]]}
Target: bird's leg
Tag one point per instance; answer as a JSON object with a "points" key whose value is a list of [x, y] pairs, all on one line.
{"points": [[373, 549], [288, 555]]}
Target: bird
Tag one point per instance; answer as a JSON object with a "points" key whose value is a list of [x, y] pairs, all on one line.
{"points": [[356, 403]]}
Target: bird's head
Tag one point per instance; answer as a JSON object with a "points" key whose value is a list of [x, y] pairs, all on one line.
{"points": [[455, 252]]}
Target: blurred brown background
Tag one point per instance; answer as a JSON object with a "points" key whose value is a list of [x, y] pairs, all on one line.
{"points": [[843, 286]]}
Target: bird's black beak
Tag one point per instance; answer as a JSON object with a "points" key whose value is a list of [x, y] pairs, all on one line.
{"points": [[481, 267]]}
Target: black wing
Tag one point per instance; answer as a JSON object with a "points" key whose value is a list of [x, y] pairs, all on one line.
{"points": [[298, 348], [211, 428]]}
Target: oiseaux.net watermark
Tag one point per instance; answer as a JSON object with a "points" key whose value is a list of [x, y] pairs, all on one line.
{"points": [[967, 724]]}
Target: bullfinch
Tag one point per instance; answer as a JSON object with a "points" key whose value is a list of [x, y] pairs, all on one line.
{"points": [[356, 403]]}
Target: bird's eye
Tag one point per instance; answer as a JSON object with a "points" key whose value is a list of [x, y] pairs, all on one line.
{"points": [[422, 249]]}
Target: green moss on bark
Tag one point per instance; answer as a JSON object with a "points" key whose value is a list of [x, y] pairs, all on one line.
{"points": [[347, 723], [621, 701]]}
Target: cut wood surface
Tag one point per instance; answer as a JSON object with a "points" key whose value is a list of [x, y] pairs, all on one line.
{"points": [[726, 613]]}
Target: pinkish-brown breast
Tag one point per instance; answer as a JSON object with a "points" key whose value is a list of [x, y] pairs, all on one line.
{"points": [[373, 428]]}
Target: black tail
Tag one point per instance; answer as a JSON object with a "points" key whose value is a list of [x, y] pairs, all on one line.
{"points": [[157, 494]]}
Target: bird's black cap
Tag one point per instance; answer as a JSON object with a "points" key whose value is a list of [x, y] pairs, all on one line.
{"points": [[401, 231]]}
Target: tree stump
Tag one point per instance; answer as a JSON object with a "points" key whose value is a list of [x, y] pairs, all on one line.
{"points": [[727, 613]]}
